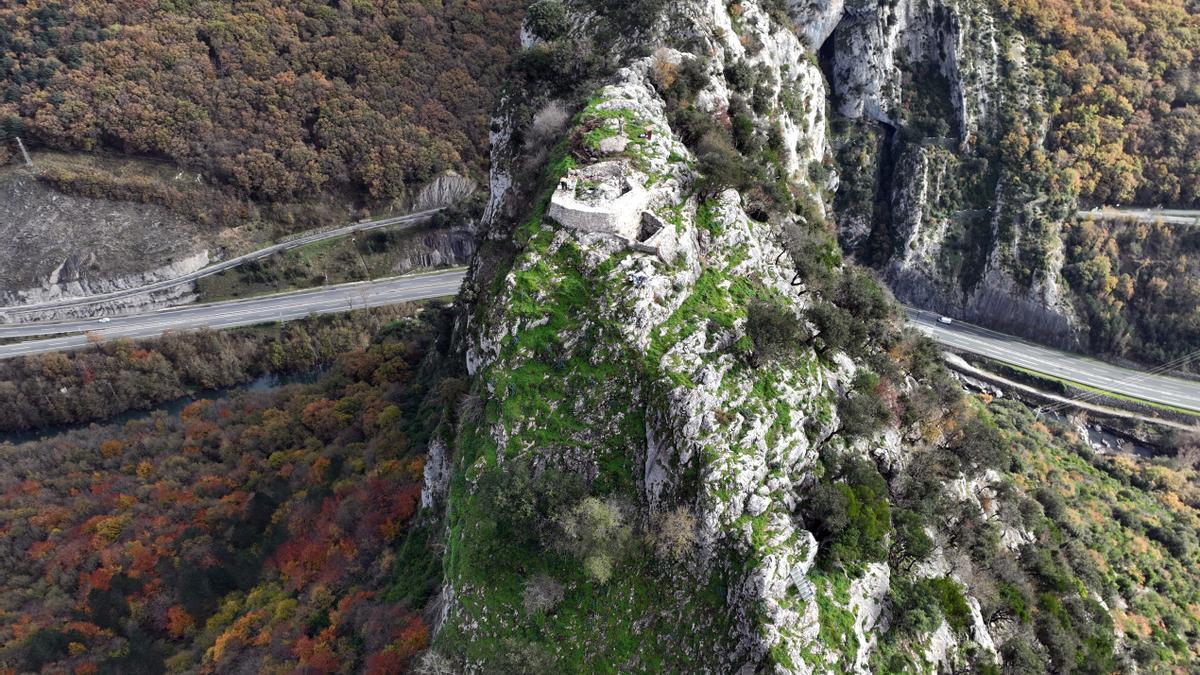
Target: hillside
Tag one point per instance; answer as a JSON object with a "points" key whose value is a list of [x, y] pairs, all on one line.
{"points": [[193, 131], [699, 437], [1137, 288], [675, 420], [968, 133], [264, 531], [275, 99], [57, 244]]}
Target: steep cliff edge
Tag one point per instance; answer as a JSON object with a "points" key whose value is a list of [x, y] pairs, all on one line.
{"points": [[947, 188], [694, 438]]}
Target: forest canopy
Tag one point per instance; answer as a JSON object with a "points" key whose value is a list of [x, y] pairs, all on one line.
{"points": [[268, 532], [1126, 82], [278, 99]]}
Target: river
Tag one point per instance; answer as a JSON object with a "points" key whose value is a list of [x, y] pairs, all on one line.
{"points": [[261, 383]]}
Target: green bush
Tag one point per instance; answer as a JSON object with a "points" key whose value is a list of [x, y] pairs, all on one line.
{"points": [[741, 76], [775, 332], [866, 300], [743, 134], [548, 19], [835, 326], [515, 512], [597, 533], [910, 543], [1020, 658], [919, 605], [720, 163], [1012, 603], [916, 612], [860, 318], [814, 253], [630, 15], [550, 62], [950, 598], [848, 512], [863, 412], [983, 446]]}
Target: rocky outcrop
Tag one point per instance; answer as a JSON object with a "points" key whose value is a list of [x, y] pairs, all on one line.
{"points": [[74, 279], [432, 248], [54, 245], [928, 268], [879, 44], [925, 77], [593, 353], [914, 271], [503, 156], [597, 357], [1040, 312], [446, 189], [436, 479], [749, 491], [815, 19], [788, 74]]}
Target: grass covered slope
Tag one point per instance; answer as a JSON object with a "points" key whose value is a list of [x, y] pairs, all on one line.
{"points": [[1115, 531], [723, 453], [642, 426], [542, 509]]}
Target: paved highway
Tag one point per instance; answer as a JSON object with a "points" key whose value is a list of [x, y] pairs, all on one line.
{"points": [[1169, 216], [232, 313], [331, 299], [1017, 352], [9, 313]]}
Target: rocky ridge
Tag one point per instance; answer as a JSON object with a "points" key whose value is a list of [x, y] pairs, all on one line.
{"points": [[592, 357]]}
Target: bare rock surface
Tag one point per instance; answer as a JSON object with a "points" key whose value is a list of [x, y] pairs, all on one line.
{"points": [[54, 245]]}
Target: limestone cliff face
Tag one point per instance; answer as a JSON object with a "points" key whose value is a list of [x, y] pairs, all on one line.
{"points": [[875, 41], [54, 245], [596, 356], [669, 419], [443, 190], [929, 90]]}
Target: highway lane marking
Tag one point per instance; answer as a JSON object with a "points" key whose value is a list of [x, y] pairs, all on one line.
{"points": [[401, 293], [298, 304], [1075, 360], [221, 266], [1076, 374], [266, 310], [1049, 363], [382, 285]]}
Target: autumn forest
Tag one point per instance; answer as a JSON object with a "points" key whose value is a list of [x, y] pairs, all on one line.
{"points": [[269, 530], [277, 99]]}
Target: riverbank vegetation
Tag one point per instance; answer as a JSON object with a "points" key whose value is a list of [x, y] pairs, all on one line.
{"points": [[110, 378], [268, 532]]}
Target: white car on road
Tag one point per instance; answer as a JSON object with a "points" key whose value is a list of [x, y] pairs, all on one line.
{"points": [[104, 319], [946, 320]]}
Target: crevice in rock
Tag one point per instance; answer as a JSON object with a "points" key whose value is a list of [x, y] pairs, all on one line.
{"points": [[825, 56], [880, 246]]}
